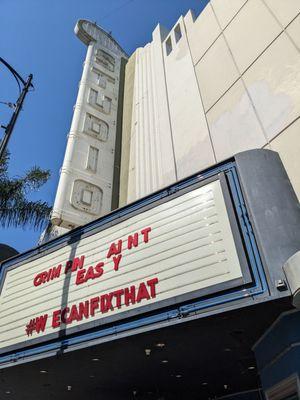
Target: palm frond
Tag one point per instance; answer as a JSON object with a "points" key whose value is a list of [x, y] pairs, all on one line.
{"points": [[35, 178], [15, 209], [25, 213], [4, 163]]}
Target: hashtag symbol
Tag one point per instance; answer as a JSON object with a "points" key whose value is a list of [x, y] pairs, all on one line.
{"points": [[31, 327]]}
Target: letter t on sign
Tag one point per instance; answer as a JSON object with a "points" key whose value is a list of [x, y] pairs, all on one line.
{"points": [[145, 233]]}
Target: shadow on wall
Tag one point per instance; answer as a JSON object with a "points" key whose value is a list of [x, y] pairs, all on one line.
{"points": [[73, 242]]}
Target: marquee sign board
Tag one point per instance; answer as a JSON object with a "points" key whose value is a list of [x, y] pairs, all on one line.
{"points": [[169, 253]]}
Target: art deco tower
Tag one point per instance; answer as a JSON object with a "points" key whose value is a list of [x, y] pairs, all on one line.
{"points": [[90, 171]]}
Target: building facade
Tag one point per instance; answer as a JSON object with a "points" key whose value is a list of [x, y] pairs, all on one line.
{"points": [[179, 273], [194, 96], [215, 85]]}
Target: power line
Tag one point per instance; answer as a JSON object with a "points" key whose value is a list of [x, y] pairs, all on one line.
{"points": [[17, 77], [117, 9]]}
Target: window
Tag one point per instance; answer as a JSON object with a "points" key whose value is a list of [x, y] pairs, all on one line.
{"points": [[168, 46], [177, 32]]}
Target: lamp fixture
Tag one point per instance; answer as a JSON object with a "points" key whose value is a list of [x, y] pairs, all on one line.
{"points": [[147, 351]]}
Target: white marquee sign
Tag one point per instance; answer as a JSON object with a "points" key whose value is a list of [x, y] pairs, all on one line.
{"points": [[178, 247]]}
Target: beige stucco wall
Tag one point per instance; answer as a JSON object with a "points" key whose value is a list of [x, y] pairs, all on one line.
{"points": [[248, 69], [230, 83]]}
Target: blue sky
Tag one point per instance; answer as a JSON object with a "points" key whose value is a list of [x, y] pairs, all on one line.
{"points": [[37, 37]]}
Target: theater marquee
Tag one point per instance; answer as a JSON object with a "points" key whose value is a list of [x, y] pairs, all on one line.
{"points": [[170, 253]]}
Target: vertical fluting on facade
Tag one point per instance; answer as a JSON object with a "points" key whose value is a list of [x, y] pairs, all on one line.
{"points": [[151, 162], [86, 182]]}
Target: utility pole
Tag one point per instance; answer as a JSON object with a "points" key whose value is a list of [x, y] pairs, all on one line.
{"points": [[18, 107]]}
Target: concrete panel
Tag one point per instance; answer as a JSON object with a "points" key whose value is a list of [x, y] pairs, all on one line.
{"points": [[273, 83], [251, 31], [287, 144], [161, 108], [285, 10], [233, 124], [192, 146], [131, 190], [201, 32], [226, 10], [216, 72], [126, 128], [293, 30]]}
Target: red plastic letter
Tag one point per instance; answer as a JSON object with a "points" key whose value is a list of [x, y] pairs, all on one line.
{"points": [[80, 277], [114, 249], [152, 284], [145, 233], [133, 240], [56, 319], [142, 293], [116, 261]]}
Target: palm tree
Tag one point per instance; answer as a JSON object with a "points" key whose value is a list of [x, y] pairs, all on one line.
{"points": [[15, 209]]}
